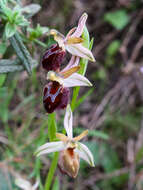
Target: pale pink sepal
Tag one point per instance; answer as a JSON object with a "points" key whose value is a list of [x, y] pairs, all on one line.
{"points": [[78, 32], [76, 80], [81, 51], [74, 61]]}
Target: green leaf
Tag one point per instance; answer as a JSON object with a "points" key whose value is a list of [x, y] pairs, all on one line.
{"points": [[10, 30], [7, 65], [113, 48], [6, 180], [139, 155], [56, 185], [3, 48], [21, 52], [2, 79], [37, 32], [118, 19], [31, 10], [82, 98]]}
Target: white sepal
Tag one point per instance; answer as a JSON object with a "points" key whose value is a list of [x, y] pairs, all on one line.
{"points": [[50, 147], [76, 80], [80, 51], [85, 153], [68, 122], [34, 187], [23, 184]]}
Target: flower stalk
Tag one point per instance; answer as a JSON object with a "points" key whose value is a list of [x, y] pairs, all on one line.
{"points": [[67, 149]]}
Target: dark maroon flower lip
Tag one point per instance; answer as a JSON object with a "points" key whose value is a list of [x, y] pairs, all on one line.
{"points": [[53, 58], [55, 96]]}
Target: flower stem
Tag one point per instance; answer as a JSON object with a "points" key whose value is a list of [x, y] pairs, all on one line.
{"points": [[51, 171], [52, 134]]}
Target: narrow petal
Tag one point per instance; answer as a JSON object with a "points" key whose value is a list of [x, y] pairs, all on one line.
{"points": [[69, 72], [23, 184], [82, 135], [80, 26], [74, 40], [50, 147], [74, 61], [68, 122], [80, 50], [76, 80], [85, 153], [70, 33], [62, 137]]}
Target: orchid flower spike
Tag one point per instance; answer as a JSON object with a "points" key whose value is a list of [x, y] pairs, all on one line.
{"points": [[71, 150], [26, 185], [73, 40], [56, 92]]}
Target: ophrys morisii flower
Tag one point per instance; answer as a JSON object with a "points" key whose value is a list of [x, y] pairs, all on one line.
{"points": [[73, 41], [71, 150], [56, 92]]}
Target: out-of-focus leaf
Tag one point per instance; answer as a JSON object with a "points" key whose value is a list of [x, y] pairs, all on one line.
{"points": [[82, 98], [113, 48], [94, 133], [10, 30], [31, 10], [139, 155], [21, 52], [100, 74], [109, 158], [2, 48], [6, 181], [56, 185], [37, 32], [2, 79], [10, 66], [7, 65], [119, 19]]}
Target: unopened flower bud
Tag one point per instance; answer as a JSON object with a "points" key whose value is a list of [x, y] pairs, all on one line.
{"points": [[69, 162]]}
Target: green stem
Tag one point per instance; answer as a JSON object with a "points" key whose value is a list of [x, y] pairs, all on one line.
{"points": [[51, 171], [52, 134]]}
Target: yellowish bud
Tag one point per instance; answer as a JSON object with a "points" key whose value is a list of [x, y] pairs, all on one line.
{"points": [[69, 162]]}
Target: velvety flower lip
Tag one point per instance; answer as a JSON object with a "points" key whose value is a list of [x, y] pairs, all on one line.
{"points": [[53, 58], [26, 185], [73, 41], [55, 96], [69, 147]]}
